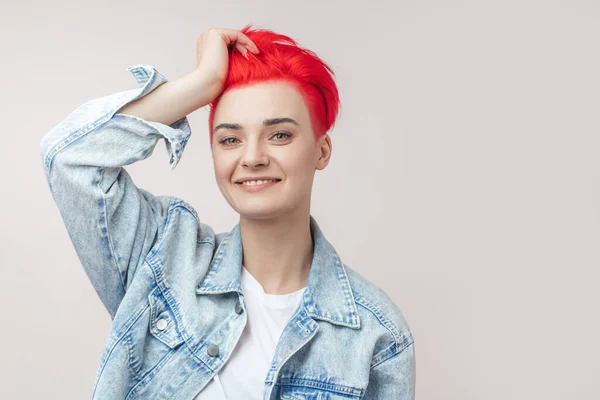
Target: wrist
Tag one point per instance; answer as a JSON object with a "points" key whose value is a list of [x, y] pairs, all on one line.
{"points": [[204, 88]]}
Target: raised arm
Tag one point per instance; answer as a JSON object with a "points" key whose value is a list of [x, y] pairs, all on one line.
{"points": [[112, 223]]}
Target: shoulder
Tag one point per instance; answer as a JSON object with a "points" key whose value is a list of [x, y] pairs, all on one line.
{"points": [[380, 315], [179, 225], [207, 231]]}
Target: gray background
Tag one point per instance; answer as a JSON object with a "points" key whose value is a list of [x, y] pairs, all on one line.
{"points": [[464, 180]]}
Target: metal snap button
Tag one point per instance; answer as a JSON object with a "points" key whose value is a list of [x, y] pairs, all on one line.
{"points": [[213, 350], [238, 307], [161, 324]]}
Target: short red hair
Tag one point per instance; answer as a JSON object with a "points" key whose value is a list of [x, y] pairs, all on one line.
{"points": [[281, 59]]}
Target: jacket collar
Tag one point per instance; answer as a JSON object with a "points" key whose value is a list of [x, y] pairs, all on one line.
{"points": [[328, 295]]}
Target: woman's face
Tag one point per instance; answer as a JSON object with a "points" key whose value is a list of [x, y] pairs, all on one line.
{"points": [[264, 130]]}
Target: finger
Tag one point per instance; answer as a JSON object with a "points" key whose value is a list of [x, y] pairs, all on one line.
{"points": [[252, 47], [238, 37], [241, 49], [245, 40]]}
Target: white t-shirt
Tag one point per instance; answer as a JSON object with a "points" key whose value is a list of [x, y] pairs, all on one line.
{"points": [[244, 374]]}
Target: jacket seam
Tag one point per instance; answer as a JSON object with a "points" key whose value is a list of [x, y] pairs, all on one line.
{"points": [[181, 203], [130, 344], [379, 315], [157, 273], [69, 140], [104, 363], [108, 235], [395, 348], [109, 349], [150, 255], [88, 128], [335, 388], [397, 353], [147, 377], [350, 293]]}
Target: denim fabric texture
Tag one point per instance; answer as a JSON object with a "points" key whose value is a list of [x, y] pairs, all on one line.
{"points": [[171, 284]]}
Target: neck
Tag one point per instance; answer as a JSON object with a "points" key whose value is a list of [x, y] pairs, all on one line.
{"points": [[278, 253]]}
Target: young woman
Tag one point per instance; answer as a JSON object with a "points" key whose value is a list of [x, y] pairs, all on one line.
{"points": [[265, 311]]}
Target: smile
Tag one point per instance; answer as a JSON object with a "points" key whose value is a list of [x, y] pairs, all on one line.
{"points": [[254, 186]]}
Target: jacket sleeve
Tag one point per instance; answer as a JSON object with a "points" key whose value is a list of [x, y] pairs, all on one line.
{"points": [[394, 378], [112, 223]]}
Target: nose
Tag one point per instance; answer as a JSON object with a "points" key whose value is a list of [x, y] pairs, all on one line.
{"points": [[254, 155]]}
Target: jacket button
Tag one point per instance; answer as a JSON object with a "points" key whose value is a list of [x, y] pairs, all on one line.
{"points": [[161, 324], [213, 350], [238, 307]]}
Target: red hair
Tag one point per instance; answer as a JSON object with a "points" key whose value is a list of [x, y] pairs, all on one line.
{"points": [[281, 59]]}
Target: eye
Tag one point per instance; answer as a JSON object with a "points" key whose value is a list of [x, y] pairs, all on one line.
{"points": [[226, 140], [287, 135]]}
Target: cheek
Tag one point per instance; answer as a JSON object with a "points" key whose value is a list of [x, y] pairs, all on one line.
{"points": [[223, 166], [299, 165]]}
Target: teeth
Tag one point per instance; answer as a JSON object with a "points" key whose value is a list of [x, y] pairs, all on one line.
{"points": [[253, 183]]}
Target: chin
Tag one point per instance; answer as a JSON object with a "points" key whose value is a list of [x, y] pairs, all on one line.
{"points": [[263, 212], [257, 215]]}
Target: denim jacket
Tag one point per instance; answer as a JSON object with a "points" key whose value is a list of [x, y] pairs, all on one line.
{"points": [[172, 286]]}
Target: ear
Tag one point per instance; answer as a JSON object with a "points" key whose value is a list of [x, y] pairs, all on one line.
{"points": [[325, 148]]}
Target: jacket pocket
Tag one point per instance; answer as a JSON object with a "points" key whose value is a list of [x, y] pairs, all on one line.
{"points": [[162, 320], [154, 337]]}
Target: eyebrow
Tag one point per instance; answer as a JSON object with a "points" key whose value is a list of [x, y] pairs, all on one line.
{"points": [[266, 122]]}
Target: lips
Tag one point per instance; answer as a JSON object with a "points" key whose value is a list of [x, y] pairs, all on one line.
{"points": [[258, 187], [255, 180], [258, 178]]}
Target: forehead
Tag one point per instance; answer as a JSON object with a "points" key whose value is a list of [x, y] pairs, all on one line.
{"points": [[252, 104]]}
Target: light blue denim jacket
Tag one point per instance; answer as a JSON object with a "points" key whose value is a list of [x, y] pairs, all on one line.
{"points": [[172, 286]]}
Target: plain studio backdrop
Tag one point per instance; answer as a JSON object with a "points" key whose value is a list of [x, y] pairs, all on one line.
{"points": [[464, 179]]}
